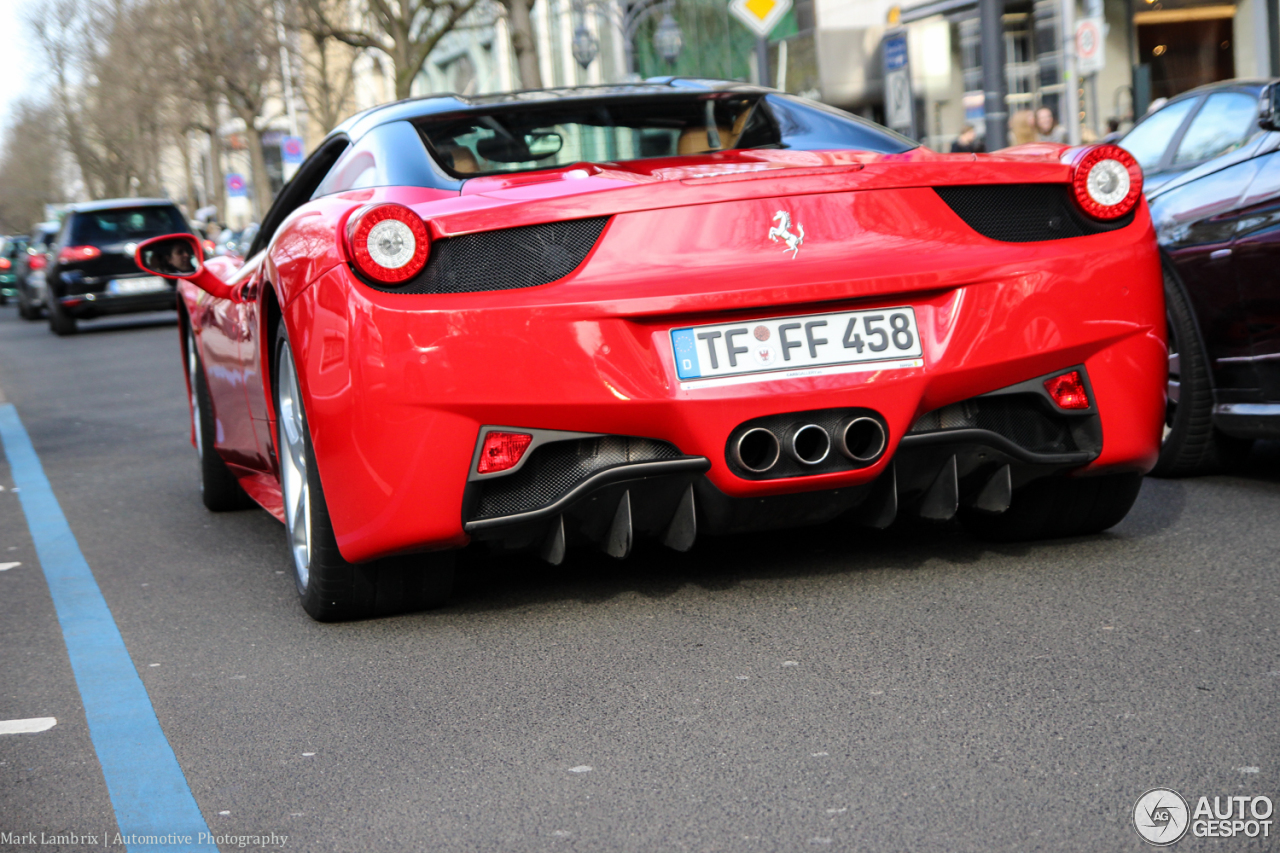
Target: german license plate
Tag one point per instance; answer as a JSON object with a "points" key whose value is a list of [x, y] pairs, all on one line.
{"points": [[810, 345], [145, 284]]}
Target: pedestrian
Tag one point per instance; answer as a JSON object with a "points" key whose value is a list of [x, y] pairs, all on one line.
{"points": [[968, 142], [1022, 127], [1047, 127]]}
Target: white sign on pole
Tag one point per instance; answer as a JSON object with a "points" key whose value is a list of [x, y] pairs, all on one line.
{"points": [[897, 99], [1091, 56], [760, 16]]}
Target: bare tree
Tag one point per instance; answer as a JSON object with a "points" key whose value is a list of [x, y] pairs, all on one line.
{"points": [[29, 173], [329, 75], [406, 31]]}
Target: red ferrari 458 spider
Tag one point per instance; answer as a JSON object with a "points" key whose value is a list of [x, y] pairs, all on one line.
{"points": [[671, 309]]}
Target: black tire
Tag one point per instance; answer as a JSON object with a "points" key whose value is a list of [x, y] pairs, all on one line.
{"points": [[60, 323], [1191, 444], [219, 489], [26, 310], [331, 589], [1056, 507]]}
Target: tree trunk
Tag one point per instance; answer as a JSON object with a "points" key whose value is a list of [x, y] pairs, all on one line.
{"points": [[524, 43], [217, 192], [184, 146], [262, 194]]}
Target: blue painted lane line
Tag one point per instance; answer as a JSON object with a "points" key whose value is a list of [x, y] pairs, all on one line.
{"points": [[149, 793]]}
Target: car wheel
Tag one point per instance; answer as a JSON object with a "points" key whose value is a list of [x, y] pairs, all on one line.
{"points": [[219, 489], [26, 310], [60, 323], [1055, 507], [332, 589], [1190, 443]]}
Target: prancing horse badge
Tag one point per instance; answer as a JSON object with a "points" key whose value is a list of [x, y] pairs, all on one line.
{"points": [[782, 231]]}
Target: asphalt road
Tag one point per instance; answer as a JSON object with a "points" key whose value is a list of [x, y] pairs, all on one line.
{"points": [[824, 689]]}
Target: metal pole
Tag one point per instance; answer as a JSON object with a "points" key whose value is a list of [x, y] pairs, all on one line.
{"points": [[993, 82], [762, 59], [1071, 107]]}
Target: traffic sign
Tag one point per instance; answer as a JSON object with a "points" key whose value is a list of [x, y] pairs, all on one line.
{"points": [[899, 106], [235, 185], [760, 16], [291, 149], [1090, 48]]}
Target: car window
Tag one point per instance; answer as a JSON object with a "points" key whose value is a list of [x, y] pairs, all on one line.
{"points": [[1223, 124], [104, 227], [1147, 142]]}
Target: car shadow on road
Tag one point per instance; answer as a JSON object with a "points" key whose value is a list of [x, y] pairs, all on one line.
{"points": [[488, 581]]}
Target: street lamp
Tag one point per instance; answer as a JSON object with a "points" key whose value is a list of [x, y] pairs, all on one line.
{"points": [[667, 39], [585, 46]]}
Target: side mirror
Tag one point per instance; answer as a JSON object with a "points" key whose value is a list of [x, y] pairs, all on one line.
{"points": [[182, 256], [1269, 108]]}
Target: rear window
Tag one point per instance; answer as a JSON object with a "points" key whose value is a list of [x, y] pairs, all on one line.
{"points": [[124, 224], [547, 133]]}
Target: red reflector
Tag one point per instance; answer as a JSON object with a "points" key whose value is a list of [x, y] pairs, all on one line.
{"points": [[5, 263], [502, 450], [79, 253], [1068, 391], [38, 261]]}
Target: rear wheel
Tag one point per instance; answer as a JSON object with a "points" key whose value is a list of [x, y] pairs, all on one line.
{"points": [[26, 310], [1055, 507], [60, 322], [332, 589], [1191, 444], [219, 489]]}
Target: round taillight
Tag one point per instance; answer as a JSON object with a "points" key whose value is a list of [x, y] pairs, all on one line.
{"points": [[1106, 181], [388, 243]]}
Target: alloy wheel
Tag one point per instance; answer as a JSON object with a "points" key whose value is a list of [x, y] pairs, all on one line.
{"points": [[1174, 389], [293, 466]]}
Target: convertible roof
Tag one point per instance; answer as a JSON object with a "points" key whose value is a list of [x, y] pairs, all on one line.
{"points": [[361, 123]]}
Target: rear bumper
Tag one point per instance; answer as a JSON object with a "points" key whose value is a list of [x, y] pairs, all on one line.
{"points": [[398, 387], [86, 306]]}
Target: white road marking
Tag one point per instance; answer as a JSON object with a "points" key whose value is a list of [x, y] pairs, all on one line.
{"points": [[153, 664], [224, 813], [1250, 769], [20, 727], [307, 754], [4, 567], [581, 768]]}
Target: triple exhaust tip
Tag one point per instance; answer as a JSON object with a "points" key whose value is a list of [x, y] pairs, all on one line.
{"points": [[861, 439]]}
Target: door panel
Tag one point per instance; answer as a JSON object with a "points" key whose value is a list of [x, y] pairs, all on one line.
{"points": [[1196, 225], [218, 322], [1258, 272]]}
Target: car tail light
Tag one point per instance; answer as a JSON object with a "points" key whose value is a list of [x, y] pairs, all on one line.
{"points": [[388, 243], [79, 253], [209, 247], [5, 263], [1106, 181], [1068, 391], [502, 450], [38, 261]]}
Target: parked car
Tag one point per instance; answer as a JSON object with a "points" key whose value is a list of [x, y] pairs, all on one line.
{"points": [[1219, 232], [30, 277], [11, 251], [94, 272], [235, 242], [582, 316], [1194, 128]]}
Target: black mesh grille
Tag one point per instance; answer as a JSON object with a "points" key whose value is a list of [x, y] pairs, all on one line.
{"points": [[507, 259], [554, 469], [1022, 419], [1024, 213]]}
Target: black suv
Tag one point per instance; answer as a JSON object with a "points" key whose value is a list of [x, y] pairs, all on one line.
{"points": [[93, 274]]}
